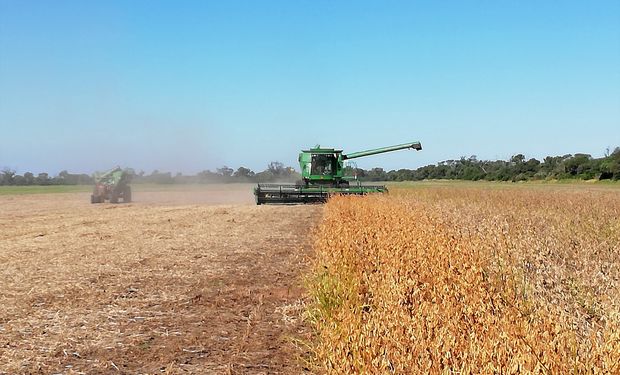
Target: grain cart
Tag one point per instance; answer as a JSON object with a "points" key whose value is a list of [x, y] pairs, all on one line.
{"points": [[112, 185], [322, 171]]}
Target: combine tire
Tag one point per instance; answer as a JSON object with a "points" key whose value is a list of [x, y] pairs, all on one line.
{"points": [[127, 194], [94, 199], [114, 196]]}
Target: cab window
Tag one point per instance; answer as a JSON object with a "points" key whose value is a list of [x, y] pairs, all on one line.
{"points": [[323, 164]]}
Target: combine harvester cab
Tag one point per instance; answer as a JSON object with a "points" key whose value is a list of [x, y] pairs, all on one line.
{"points": [[322, 171]]}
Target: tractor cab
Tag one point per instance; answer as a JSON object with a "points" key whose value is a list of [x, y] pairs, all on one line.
{"points": [[321, 165]]}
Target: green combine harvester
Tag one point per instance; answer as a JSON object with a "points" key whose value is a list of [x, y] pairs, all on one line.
{"points": [[322, 171], [112, 185]]}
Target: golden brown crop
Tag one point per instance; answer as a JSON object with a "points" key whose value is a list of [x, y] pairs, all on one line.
{"points": [[469, 281]]}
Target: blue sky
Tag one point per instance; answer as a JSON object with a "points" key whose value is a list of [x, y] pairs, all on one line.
{"points": [[193, 85]]}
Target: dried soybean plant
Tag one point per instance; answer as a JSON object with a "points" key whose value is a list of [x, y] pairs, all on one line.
{"points": [[453, 280]]}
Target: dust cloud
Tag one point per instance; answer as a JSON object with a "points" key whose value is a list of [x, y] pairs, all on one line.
{"points": [[209, 194]]}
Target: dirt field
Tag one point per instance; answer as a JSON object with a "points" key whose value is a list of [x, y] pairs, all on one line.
{"points": [[194, 281]]}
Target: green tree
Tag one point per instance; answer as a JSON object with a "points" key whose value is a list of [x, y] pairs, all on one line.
{"points": [[578, 166], [376, 174], [225, 171], [243, 172], [19, 180], [517, 159], [276, 169], [610, 166], [43, 179], [7, 177], [29, 178]]}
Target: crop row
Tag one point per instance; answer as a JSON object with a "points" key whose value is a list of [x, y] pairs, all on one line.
{"points": [[468, 280]]}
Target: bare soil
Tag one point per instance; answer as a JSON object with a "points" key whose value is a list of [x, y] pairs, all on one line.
{"points": [[198, 281]]}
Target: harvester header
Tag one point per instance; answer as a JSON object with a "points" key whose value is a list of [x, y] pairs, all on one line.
{"points": [[322, 172]]}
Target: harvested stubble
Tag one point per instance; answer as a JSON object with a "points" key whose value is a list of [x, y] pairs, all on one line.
{"points": [[469, 281], [148, 287]]}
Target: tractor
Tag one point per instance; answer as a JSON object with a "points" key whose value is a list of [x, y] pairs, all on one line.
{"points": [[112, 185]]}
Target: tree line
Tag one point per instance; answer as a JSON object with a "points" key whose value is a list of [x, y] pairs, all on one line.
{"points": [[274, 172], [517, 168]]}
